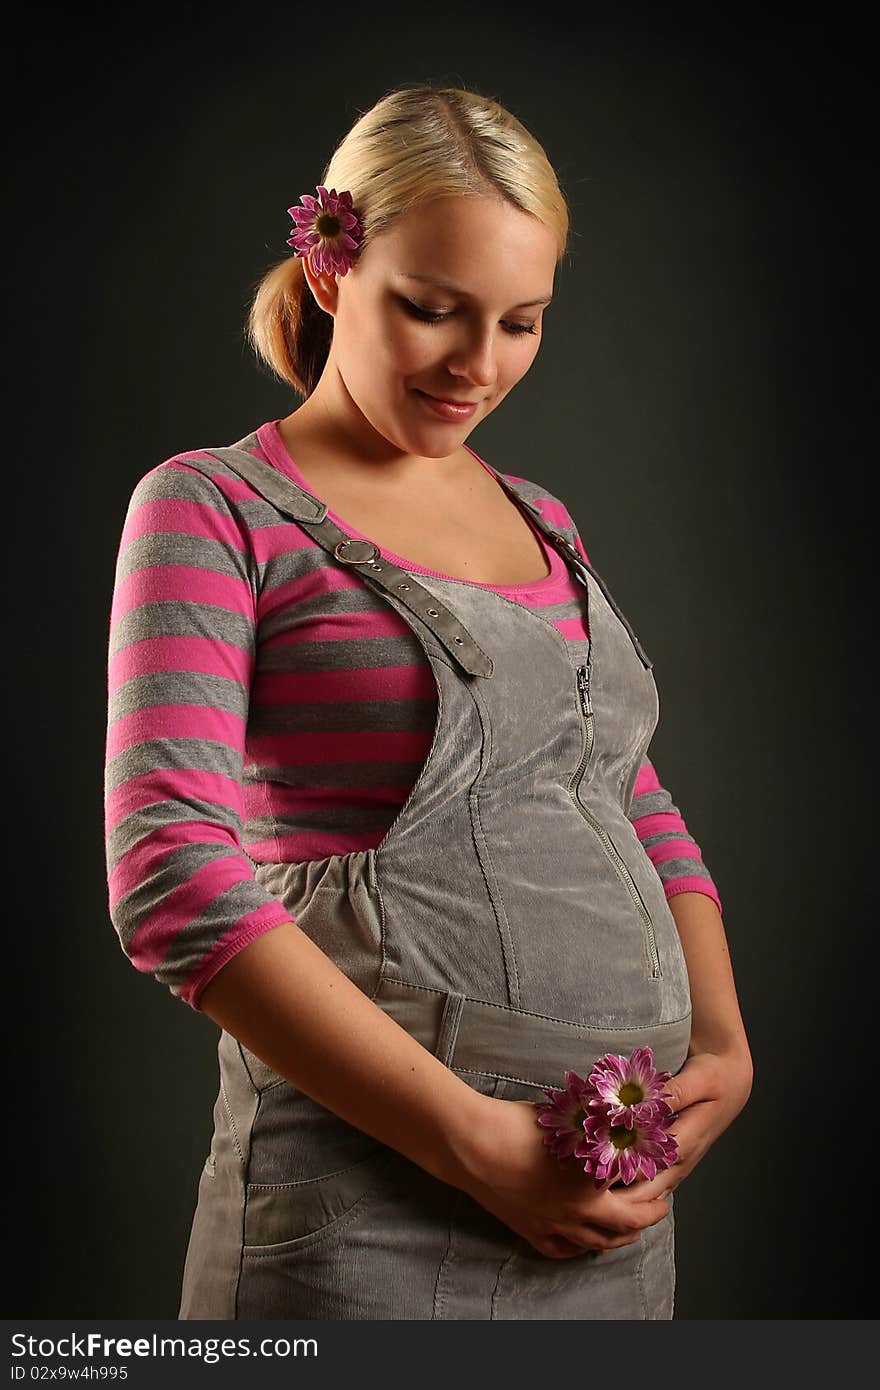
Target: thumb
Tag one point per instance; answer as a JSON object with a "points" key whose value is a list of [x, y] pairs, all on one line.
{"points": [[678, 1090], [694, 1082]]}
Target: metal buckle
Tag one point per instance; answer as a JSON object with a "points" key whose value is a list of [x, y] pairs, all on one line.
{"points": [[365, 551]]}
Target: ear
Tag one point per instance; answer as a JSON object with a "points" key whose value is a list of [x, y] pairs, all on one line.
{"points": [[325, 287]]}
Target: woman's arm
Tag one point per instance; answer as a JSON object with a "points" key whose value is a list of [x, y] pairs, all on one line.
{"points": [[297, 1011], [717, 1024], [665, 838], [291, 1005], [715, 1081]]}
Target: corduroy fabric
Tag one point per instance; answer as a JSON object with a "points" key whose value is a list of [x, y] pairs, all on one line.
{"points": [[511, 920]]}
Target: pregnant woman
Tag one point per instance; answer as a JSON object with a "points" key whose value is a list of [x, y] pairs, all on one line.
{"points": [[378, 799]]}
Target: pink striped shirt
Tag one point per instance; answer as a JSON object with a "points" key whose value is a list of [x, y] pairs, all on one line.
{"points": [[265, 706]]}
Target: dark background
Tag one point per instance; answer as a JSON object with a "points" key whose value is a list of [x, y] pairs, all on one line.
{"points": [[699, 402]]}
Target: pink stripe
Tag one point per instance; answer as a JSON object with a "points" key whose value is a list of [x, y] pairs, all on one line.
{"points": [[366, 683], [147, 856], [350, 746], [165, 722], [694, 885], [180, 516], [647, 779], [247, 929], [206, 655], [183, 583], [661, 824], [161, 784], [573, 629], [553, 512], [155, 936], [673, 849], [282, 539]]}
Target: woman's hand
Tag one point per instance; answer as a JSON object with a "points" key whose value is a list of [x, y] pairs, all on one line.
{"points": [[707, 1094], [557, 1207]]}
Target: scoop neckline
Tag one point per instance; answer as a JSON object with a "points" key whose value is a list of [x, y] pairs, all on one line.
{"points": [[277, 453]]}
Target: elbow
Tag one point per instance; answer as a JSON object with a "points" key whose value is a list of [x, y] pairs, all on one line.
{"points": [[152, 948]]}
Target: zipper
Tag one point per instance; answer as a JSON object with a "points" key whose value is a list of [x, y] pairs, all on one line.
{"points": [[584, 673]]}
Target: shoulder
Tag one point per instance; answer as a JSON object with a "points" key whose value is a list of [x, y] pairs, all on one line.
{"points": [[195, 495], [552, 508], [194, 475]]}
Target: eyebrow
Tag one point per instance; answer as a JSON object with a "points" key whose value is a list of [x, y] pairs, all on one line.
{"points": [[454, 289]]}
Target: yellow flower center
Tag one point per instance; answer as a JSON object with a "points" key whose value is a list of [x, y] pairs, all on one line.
{"points": [[630, 1093], [327, 225], [621, 1137]]}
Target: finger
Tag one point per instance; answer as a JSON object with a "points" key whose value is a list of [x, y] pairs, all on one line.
{"points": [[591, 1240], [596, 1239], [650, 1189], [624, 1217], [698, 1079]]}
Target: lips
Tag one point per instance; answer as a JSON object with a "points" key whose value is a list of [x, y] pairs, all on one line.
{"points": [[447, 400], [450, 411]]}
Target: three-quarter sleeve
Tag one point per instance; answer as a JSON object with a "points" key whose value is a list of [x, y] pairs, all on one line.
{"points": [[660, 826], [666, 840], [183, 897]]}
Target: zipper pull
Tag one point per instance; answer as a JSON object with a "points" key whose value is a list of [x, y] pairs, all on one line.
{"points": [[583, 682]]}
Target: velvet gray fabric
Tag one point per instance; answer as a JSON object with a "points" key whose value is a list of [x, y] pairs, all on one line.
{"points": [[512, 922]]}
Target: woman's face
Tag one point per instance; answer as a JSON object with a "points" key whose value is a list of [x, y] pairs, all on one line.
{"points": [[449, 302]]}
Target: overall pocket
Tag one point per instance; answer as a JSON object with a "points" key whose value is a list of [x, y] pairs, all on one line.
{"points": [[281, 1218]]}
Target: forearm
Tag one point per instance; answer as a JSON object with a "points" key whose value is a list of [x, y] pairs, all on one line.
{"points": [[291, 1005], [717, 1024]]}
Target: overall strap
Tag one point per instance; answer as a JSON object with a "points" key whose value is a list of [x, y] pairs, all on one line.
{"points": [[574, 558], [363, 556]]}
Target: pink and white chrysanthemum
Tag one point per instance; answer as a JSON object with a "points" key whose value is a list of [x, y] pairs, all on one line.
{"points": [[563, 1116], [328, 229], [611, 1150], [629, 1089]]}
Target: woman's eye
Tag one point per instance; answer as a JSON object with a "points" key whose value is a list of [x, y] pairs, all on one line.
{"points": [[432, 316], [428, 315]]}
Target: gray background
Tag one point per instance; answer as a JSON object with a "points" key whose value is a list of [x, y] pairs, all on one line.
{"points": [[699, 401]]}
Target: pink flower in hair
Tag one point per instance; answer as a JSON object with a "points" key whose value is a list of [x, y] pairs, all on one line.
{"points": [[327, 227]]}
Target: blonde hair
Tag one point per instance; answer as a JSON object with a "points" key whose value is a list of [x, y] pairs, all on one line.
{"points": [[415, 144]]}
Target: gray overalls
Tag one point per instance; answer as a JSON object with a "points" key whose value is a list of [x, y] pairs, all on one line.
{"points": [[510, 920]]}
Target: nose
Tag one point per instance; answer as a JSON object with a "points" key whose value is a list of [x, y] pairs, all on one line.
{"points": [[474, 359]]}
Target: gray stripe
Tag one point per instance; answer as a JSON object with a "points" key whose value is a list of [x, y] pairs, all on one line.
{"points": [[367, 717], [179, 688], [179, 618], [177, 754], [141, 823], [335, 775], [325, 604], [653, 840], [652, 804], [193, 943], [170, 871], [168, 481], [682, 868], [344, 653], [178, 548], [195, 939], [338, 820]]}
